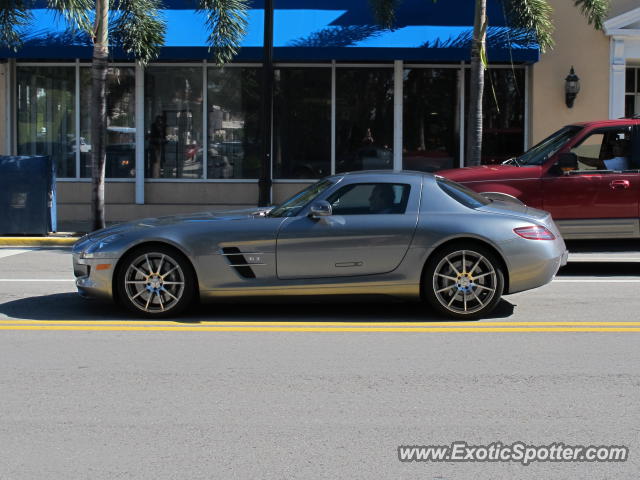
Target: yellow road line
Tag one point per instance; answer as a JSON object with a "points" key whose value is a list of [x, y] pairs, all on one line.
{"points": [[316, 329], [240, 323]]}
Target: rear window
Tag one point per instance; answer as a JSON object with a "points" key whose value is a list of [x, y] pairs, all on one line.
{"points": [[462, 194]]}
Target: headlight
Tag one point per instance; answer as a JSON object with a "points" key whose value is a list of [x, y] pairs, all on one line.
{"points": [[93, 250]]}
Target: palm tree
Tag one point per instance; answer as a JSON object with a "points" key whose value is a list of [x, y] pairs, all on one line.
{"points": [[529, 18], [137, 27]]}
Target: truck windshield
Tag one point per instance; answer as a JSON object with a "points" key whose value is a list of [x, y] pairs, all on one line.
{"points": [[541, 152], [291, 207]]}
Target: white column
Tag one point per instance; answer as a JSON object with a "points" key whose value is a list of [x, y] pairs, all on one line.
{"points": [[77, 119], [11, 96], [461, 112], [527, 107], [398, 83], [616, 78], [333, 117], [205, 120], [139, 115]]}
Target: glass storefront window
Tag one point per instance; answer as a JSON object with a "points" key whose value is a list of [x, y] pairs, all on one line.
{"points": [[430, 119], [632, 92], [233, 122], [176, 142], [121, 123], [46, 115], [302, 123], [503, 114], [173, 122], [364, 118], [630, 79]]}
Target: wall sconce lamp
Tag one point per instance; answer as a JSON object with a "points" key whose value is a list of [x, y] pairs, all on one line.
{"points": [[571, 88]]}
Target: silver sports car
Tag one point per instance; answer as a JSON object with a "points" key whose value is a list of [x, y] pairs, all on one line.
{"points": [[405, 234]]}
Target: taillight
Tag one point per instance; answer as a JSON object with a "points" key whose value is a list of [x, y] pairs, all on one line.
{"points": [[535, 233]]}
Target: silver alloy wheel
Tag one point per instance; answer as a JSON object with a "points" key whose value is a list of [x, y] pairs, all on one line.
{"points": [[464, 282], [154, 282]]}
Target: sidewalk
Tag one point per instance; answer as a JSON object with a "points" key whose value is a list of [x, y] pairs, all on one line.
{"points": [[58, 239]]}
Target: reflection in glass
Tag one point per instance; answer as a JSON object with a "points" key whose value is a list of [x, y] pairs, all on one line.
{"points": [[503, 114], [302, 124], [173, 118], [291, 207], [233, 122], [46, 114], [630, 103], [430, 120], [121, 123], [364, 118]]}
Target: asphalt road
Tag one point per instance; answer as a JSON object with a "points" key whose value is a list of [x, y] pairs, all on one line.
{"points": [[320, 390]]}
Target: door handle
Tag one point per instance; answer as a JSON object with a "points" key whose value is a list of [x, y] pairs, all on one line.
{"points": [[618, 184]]}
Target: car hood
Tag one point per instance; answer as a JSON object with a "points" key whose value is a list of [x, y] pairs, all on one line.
{"points": [[169, 220], [489, 172]]}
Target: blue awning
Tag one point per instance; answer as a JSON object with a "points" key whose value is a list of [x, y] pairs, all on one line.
{"points": [[312, 31]]}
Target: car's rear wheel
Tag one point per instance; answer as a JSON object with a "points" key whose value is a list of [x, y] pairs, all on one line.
{"points": [[463, 281], [155, 281]]}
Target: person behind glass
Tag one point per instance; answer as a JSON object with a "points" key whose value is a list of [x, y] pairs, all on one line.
{"points": [[157, 139], [381, 199], [620, 159], [368, 138]]}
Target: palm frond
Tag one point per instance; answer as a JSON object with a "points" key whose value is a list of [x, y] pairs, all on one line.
{"points": [[384, 11], [75, 12], [595, 10], [138, 28], [14, 15], [532, 16], [337, 36], [227, 24], [497, 37]]}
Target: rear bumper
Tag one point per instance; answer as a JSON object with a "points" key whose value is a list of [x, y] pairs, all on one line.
{"points": [[534, 263]]}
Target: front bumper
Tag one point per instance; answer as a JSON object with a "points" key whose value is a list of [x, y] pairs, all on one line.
{"points": [[94, 277]]}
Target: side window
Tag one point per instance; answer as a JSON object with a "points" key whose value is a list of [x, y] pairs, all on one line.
{"points": [[370, 198], [605, 150], [588, 152]]}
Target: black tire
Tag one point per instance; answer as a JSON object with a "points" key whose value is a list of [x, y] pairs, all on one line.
{"points": [[155, 281], [463, 293]]}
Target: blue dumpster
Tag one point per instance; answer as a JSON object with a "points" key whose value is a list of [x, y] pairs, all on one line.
{"points": [[27, 195]]}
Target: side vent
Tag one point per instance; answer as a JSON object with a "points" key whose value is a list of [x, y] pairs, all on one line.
{"points": [[238, 262]]}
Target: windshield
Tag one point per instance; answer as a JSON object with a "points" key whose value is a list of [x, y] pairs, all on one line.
{"points": [[291, 207], [541, 152]]}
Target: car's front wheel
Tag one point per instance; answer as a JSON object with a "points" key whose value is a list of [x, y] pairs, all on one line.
{"points": [[155, 281], [463, 281]]}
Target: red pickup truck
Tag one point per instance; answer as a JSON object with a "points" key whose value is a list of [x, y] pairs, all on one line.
{"points": [[586, 174]]}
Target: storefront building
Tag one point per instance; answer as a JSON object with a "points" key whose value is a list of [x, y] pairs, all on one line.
{"points": [[185, 135]]}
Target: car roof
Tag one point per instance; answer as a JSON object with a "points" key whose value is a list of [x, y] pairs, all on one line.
{"points": [[613, 123], [384, 172]]}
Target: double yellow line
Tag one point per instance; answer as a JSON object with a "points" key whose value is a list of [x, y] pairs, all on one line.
{"points": [[269, 326]]}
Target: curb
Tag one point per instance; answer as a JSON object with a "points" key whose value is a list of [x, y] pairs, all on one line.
{"points": [[37, 241]]}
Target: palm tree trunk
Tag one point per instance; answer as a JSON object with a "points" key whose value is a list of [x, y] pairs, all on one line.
{"points": [[474, 119], [99, 111]]}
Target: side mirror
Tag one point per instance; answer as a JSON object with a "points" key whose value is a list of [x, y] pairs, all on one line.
{"points": [[321, 208], [567, 162]]}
